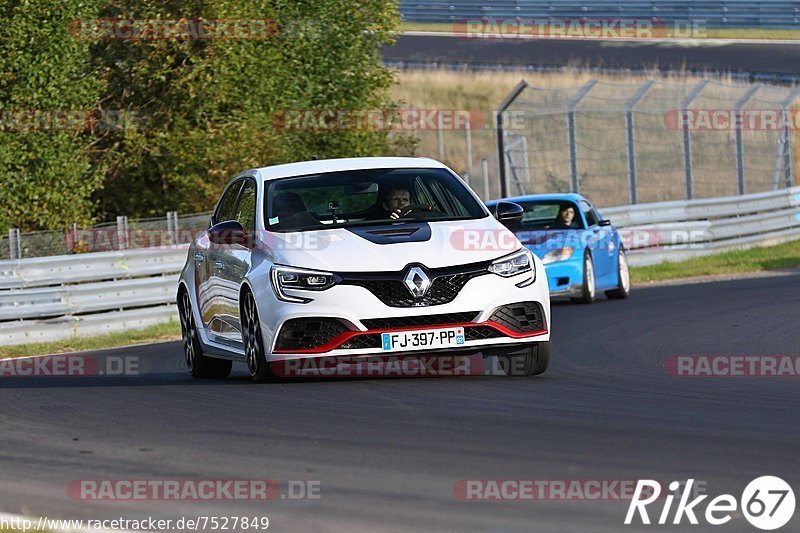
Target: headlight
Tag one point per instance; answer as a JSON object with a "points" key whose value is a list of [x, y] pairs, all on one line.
{"points": [[554, 256], [515, 264], [297, 278]]}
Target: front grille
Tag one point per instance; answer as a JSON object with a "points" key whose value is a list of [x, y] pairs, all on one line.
{"points": [[423, 320], [308, 333], [523, 317], [393, 292], [479, 333], [363, 341]]}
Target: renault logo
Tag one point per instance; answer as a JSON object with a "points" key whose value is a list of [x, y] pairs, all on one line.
{"points": [[417, 281]]}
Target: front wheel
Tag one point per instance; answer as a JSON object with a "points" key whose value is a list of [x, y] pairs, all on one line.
{"points": [[588, 290], [531, 361], [199, 365], [623, 290], [260, 370]]}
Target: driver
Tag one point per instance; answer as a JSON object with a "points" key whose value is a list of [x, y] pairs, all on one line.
{"points": [[395, 201]]}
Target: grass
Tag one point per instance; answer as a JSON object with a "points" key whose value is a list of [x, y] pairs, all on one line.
{"points": [[710, 33], [159, 333], [781, 256]]}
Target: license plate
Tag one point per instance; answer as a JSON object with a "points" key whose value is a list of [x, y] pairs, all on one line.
{"points": [[424, 339]]}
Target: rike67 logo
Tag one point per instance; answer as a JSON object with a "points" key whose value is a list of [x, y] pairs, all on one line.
{"points": [[767, 503]]}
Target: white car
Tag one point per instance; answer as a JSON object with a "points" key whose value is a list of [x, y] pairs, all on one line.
{"points": [[357, 257]]}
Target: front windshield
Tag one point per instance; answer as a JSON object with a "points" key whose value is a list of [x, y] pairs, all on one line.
{"points": [[549, 214], [367, 197]]}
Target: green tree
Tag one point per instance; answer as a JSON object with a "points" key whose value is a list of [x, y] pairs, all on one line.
{"points": [[46, 160]]}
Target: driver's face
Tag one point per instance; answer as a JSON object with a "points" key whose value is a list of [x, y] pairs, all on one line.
{"points": [[567, 215], [397, 199]]}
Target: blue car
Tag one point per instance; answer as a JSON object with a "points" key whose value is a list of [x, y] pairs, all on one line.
{"points": [[582, 252]]}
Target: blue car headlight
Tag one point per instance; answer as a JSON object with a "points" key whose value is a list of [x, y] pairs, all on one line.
{"points": [[554, 256]]}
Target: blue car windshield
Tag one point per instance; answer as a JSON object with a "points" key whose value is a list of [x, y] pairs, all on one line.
{"points": [[549, 215]]}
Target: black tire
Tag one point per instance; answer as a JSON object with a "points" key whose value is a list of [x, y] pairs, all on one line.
{"points": [[199, 365], [260, 370], [530, 361], [623, 289], [589, 281]]}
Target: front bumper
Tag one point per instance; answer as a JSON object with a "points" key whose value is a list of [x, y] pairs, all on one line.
{"points": [[357, 317], [565, 278]]}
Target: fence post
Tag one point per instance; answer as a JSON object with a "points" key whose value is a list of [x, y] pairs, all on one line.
{"points": [[122, 232], [172, 227], [631, 146], [440, 135], [739, 144], [687, 137], [485, 171], [574, 186], [501, 151], [14, 244], [469, 146]]}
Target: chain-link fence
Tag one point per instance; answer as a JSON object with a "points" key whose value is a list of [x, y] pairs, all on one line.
{"points": [[123, 234], [626, 143]]}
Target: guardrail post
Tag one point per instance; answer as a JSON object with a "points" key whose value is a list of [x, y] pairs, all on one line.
{"points": [[14, 244], [739, 144], [574, 186], [122, 232], [687, 137], [631, 146]]}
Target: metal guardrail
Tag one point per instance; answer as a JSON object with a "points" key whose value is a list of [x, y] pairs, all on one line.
{"points": [[56, 298], [675, 231], [774, 14]]}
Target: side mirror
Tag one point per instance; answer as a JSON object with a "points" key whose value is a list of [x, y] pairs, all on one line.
{"points": [[228, 232], [508, 212], [604, 222]]}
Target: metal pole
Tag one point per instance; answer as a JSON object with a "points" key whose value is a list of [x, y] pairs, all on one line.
{"points": [[787, 157], [469, 146], [501, 152], [783, 149], [632, 192], [122, 233], [687, 137], [739, 143], [485, 171], [573, 150], [441, 136], [14, 244]]}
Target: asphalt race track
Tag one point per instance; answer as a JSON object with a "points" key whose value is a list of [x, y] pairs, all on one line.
{"points": [[778, 59], [387, 452]]}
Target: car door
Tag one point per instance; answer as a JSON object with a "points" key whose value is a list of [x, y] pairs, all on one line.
{"points": [[233, 263], [207, 257], [602, 244]]}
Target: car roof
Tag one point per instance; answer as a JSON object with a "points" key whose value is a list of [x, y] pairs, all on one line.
{"points": [[548, 196], [333, 165]]}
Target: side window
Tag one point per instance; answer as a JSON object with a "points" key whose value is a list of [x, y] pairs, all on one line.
{"points": [[589, 213], [226, 208], [246, 210]]}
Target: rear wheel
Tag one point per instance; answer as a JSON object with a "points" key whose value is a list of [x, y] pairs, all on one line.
{"points": [[199, 365], [623, 290], [254, 351], [589, 287], [530, 361]]}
